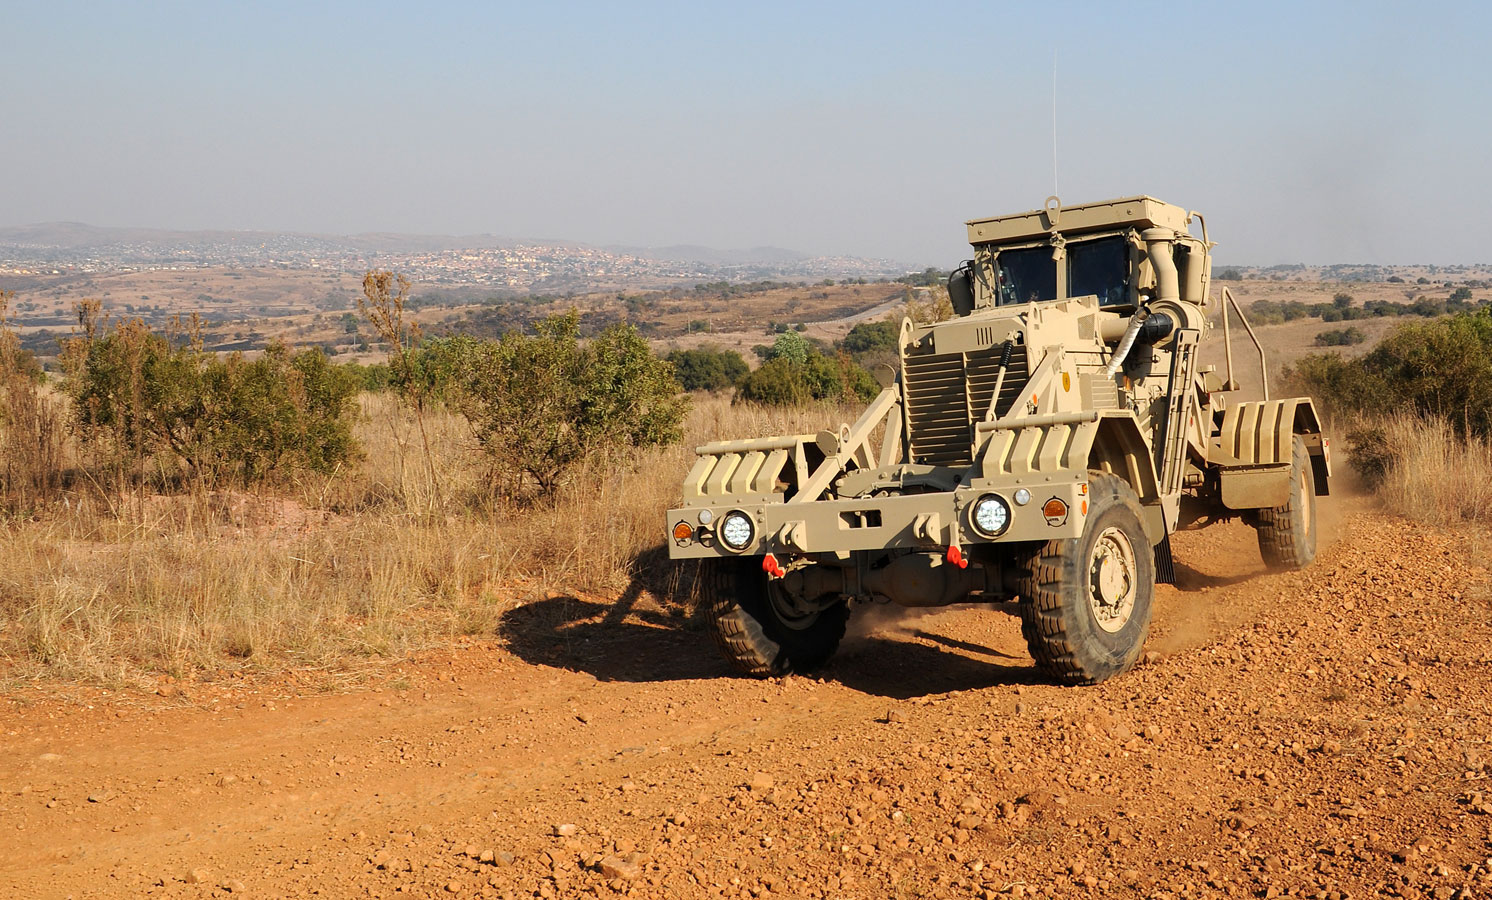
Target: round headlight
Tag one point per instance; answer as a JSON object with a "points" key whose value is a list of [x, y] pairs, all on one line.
{"points": [[736, 530], [991, 516], [1022, 496]]}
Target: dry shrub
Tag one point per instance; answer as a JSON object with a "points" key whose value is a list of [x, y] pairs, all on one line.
{"points": [[31, 424], [342, 571], [1422, 469], [185, 590]]}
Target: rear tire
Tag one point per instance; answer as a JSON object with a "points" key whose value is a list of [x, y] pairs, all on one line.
{"points": [[759, 636], [1085, 602], [1287, 534]]}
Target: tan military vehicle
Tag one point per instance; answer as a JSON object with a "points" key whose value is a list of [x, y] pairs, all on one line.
{"points": [[1038, 448]]}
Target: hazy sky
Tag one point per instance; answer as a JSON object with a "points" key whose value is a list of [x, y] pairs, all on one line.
{"points": [[1306, 132]]}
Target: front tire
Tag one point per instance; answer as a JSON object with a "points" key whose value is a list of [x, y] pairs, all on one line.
{"points": [[1287, 534], [1085, 602], [757, 630]]}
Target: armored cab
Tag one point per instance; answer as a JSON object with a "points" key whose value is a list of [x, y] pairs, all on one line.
{"points": [[1038, 448]]}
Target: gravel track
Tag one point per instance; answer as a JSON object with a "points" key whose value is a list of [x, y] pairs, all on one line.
{"points": [[1318, 734]]}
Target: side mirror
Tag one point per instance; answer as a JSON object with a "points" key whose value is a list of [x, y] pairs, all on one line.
{"points": [[961, 288]]}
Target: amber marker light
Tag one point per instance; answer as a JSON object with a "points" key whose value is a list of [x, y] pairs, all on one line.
{"points": [[1054, 509], [682, 531]]}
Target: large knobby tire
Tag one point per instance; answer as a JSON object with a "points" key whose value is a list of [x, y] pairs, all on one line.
{"points": [[759, 636], [1085, 602], [1287, 534]]}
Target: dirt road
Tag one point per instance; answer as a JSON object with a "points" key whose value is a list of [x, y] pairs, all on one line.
{"points": [[1321, 734]]}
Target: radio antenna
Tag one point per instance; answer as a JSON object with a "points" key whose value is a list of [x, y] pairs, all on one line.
{"points": [[1055, 192]]}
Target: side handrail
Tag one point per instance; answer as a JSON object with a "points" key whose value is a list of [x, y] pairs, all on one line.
{"points": [[1228, 343]]}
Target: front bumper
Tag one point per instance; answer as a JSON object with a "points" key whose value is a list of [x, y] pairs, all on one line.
{"points": [[913, 521]]}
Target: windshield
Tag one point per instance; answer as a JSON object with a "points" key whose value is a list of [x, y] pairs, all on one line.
{"points": [[1099, 267], [1025, 276]]}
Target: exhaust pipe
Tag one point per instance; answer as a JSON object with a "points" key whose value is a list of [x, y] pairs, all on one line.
{"points": [[1158, 244]]}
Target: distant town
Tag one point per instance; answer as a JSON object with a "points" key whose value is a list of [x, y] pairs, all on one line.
{"points": [[493, 263]]}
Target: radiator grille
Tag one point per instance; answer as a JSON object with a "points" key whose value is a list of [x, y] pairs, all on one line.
{"points": [[947, 392]]}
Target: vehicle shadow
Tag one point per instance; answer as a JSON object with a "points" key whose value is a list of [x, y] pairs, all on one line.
{"points": [[903, 669], [1189, 579], [629, 641]]}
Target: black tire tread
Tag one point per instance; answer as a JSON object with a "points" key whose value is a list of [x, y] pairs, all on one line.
{"points": [[1042, 578], [1282, 541], [740, 635]]}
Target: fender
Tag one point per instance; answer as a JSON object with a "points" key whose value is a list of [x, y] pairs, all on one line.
{"points": [[1252, 448]]}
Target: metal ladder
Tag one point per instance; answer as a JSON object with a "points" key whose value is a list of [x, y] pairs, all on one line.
{"points": [[1171, 447]]}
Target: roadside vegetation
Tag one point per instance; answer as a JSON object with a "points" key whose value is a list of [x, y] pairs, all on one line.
{"points": [[168, 511], [1343, 308], [1417, 414]]}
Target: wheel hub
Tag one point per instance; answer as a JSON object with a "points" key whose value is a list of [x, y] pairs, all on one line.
{"points": [[792, 604], [1113, 579]]}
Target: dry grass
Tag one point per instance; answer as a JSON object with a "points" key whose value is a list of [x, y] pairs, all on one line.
{"points": [[334, 573], [1430, 474]]}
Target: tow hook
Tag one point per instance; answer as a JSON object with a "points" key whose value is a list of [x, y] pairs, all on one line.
{"points": [[772, 567], [956, 557]]}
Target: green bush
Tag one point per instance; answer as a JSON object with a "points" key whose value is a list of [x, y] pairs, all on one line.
{"points": [[872, 337], [707, 369], [541, 403], [373, 378], [151, 405], [1341, 337], [791, 346], [1440, 369], [784, 381]]}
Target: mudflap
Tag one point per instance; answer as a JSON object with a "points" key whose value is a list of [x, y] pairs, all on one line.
{"points": [[1165, 563]]}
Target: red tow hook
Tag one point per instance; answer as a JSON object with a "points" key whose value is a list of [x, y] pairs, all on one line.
{"points": [[956, 556], [773, 568]]}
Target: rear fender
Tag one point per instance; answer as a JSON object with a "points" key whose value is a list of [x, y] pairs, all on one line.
{"points": [[1252, 448]]}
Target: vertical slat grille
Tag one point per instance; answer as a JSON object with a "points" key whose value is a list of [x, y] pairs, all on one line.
{"points": [[983, 367], [947, 392]]}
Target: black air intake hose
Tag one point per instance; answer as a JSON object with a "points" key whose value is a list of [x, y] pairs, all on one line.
{"points": [[1156, 328]]}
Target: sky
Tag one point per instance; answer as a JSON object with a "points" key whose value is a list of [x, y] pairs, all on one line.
{"points": [[1304, 132]]}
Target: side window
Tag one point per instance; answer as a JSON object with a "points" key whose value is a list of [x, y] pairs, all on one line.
{"points": [[1026, 276], [1099, 267]]}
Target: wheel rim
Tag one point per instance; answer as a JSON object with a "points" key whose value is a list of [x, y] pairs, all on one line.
{"points": [[1113, 580]]}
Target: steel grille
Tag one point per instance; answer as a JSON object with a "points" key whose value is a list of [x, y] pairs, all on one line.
{"points": [[947, 392]]}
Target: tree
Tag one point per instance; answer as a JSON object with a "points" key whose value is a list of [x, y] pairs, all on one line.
{"points": [[155, 403], [1340, 337], [784, 381], [872, 337], [1440, 369], [541, 403], [707, 369], [791, 346]]}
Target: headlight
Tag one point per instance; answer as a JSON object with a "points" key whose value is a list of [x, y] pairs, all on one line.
{"points": [[736, 530], [991, 515]]}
